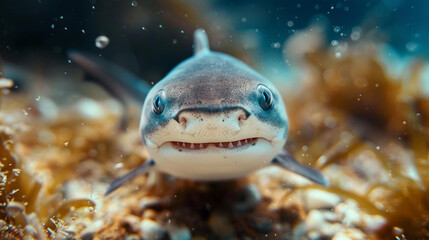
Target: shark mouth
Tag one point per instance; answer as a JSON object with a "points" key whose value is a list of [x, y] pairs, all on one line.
{"points": [[227, 145]]}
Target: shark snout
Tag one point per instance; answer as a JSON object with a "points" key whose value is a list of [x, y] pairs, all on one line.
{"points": [[213, 123]]}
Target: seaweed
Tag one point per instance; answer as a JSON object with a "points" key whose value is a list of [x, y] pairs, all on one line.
{"points": [[22, 201], [366, 131], [369, 109]]}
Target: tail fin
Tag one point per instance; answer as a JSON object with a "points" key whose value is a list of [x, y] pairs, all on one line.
{"points": [[120, 83], [201, 42], [116, 80]]}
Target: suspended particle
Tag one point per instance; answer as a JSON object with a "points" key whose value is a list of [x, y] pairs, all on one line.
{"points": [[102, 41], [134, 3], [337, 29], [338, 55], [275, 45]]}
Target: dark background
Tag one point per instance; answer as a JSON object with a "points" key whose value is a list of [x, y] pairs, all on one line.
{"points": [[37, 33]]}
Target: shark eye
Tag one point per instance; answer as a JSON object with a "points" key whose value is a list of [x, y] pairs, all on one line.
{"points": [[265, 97], [158, 102]]}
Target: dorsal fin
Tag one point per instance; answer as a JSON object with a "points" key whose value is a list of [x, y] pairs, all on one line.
{"points": [[201, 42]]}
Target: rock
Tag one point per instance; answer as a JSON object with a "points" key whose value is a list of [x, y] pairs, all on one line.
{"points": [[149, 214], [350, 234], [131, 224], [349, 214], [263, 225], [317, 226], [30, 232], [149, 202], [87, 235], [178, 232], [132, 238], [89, 108], [248, 198], [151, 230], [373, 223], [14, 209], [317, 199], [221, 226]]}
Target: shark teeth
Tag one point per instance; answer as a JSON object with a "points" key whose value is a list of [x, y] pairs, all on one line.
{"points": [[228, 145]]}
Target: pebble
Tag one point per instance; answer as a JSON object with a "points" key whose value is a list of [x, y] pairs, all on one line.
{"points": [[349, 213], [151, 230], [317, 199], [373, 223], [30, 232], [87, 235], [221, 226], [149, 214], [14, 209], [89, 108], [5, 83], [345, 221], [263, 225], [132, 238], [178, 232], [251, 196], [131, 223], [149, 202], [351, 234], [317, 226]]}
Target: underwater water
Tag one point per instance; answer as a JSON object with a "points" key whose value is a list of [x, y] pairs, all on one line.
{"points": [[353, 75]]}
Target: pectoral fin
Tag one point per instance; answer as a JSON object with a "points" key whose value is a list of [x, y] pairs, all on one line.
{"points": [[288, 161], [146, 166]]}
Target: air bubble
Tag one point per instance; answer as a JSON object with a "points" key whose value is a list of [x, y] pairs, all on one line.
{"points": [[102, 41], [276, 45], [338, 55], [337, 29]]}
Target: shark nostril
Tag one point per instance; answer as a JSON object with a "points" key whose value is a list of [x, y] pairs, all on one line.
{"points": [[242, 117], [182, 120]]}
